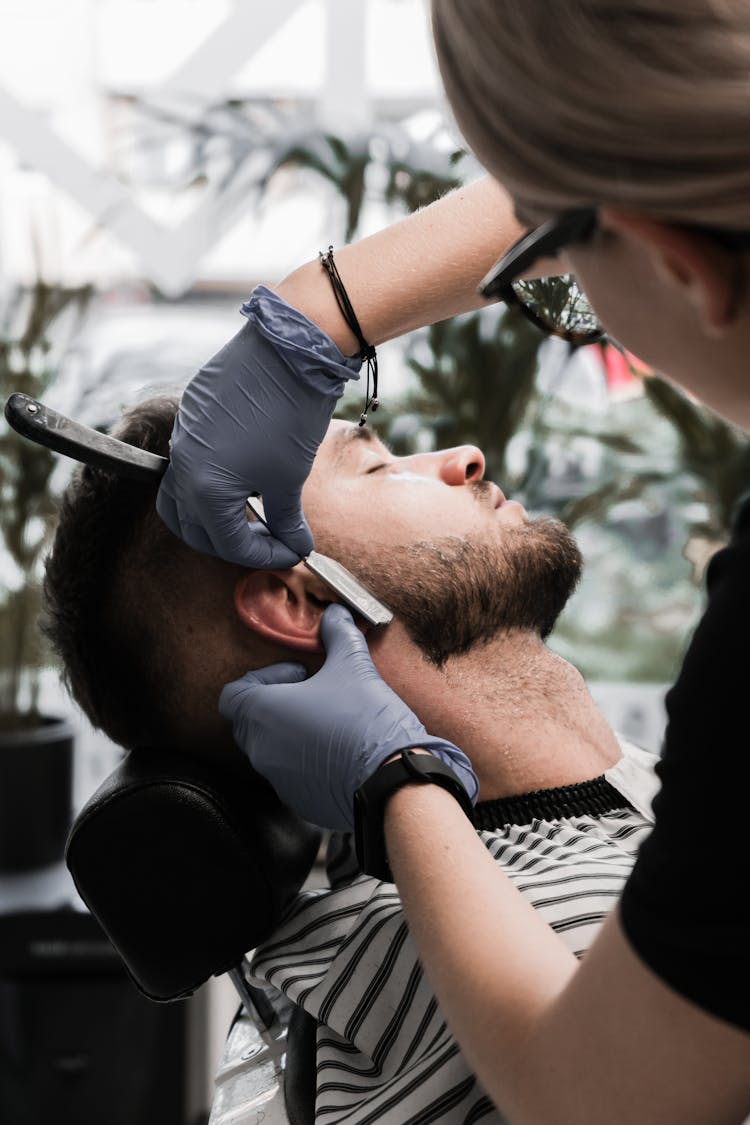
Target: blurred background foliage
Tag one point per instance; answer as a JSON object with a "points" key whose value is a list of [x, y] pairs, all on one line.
{"points": [[247, 144], [37, 327]]}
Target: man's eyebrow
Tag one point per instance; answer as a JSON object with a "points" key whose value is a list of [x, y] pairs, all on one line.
{"points": [[344, 439]]}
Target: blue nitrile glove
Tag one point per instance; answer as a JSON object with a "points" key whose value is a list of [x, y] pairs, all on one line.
{"points": [[250, 421], [317, 740]]}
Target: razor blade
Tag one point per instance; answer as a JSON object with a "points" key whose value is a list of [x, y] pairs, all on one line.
{"points": [[337, 577], [45, 426]]}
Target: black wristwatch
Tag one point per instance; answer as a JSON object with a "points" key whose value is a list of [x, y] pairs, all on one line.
{"points": [[370, 801]]}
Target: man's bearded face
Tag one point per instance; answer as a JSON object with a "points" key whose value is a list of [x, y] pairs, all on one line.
{"points": [[454, 560]]}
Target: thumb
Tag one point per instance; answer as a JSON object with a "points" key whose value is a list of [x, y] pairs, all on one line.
{"points": [[341, 636], [239, 691]]}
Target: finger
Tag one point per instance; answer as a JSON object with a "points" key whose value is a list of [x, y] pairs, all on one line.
{"points": [[168, 510], [249, 544], [267, 552], [288, 672], [166, 507], [235, 693], [195, 537], [340, 634], [286, 521]]}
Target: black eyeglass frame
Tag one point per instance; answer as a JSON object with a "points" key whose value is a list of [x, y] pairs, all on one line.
{"points": [[546, 241]]}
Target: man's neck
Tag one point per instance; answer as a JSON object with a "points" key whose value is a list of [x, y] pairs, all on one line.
{"points": [[522, 714]]}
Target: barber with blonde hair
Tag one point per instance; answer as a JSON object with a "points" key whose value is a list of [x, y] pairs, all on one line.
{"points": [[621, 130]]}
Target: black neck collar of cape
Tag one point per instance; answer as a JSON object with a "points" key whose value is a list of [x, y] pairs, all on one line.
{"points": [[586, 798]]}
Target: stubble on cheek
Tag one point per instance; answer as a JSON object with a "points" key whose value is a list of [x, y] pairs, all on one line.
{"points": [[461, 591]]}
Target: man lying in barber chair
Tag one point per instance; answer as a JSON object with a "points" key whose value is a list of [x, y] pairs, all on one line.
{"points": [[150, 631]]}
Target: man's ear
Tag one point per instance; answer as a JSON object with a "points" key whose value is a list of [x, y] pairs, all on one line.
{"points": [[704, 271], [283, 606]]}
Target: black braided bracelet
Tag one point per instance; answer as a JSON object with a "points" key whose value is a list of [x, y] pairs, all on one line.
{"points": [[366, 351]]}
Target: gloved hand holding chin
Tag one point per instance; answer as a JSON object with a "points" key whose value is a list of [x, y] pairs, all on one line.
{"points": [[317, 740]]}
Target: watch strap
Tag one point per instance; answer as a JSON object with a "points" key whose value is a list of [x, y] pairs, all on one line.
{"points": [[371, 798]]}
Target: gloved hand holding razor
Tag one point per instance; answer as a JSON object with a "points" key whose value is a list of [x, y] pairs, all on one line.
{"points": [[251, 421]]}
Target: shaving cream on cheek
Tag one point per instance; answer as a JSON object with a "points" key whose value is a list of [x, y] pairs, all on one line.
{"points": [[404, 476]]}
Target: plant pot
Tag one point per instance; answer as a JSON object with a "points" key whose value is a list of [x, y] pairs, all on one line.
{"points": [[36, 790]]}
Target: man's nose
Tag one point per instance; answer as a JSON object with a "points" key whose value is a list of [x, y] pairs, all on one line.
{"points": [[460, 465]]}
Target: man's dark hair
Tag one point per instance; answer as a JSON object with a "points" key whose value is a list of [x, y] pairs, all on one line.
{"points": [[111, 551]]}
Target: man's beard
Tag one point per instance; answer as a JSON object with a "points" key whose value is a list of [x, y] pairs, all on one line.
{"points": [[453, 594]]}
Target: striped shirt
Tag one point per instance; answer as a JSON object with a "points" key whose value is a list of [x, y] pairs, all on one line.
{"points": [[384, 1053]]}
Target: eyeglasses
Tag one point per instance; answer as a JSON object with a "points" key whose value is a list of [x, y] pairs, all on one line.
{"points": [[557, 305]]}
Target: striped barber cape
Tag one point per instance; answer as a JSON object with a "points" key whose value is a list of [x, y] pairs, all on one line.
{"points": [[384, 1053]]}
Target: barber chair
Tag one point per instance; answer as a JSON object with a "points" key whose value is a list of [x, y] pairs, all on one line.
{"points": [[186, 869]]}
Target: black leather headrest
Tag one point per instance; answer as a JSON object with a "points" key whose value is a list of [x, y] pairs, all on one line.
{"points": [[186, 868]]}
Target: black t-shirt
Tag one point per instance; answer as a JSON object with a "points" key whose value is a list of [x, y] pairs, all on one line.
{"points": [[686, 906]]}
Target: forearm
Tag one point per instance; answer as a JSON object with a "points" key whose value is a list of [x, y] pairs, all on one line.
{"points": [[418, 271], [494, 963], [549, 1039]]}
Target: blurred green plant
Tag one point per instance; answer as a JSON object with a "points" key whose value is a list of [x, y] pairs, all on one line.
{"points": [[251, 142], [476, 378], [411, 174], [664, 499], [714, 451], [36, 328], [710, 455]]}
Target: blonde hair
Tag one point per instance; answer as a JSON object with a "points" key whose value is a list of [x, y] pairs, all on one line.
{"points": [[641, 103]]}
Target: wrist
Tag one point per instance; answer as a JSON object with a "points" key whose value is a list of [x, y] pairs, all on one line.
{"points": [[408, 768], [394, 757], [308, 290], [298, 329]]}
